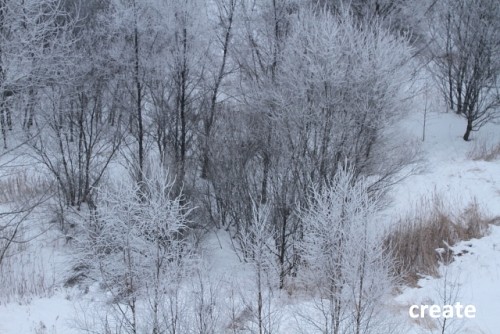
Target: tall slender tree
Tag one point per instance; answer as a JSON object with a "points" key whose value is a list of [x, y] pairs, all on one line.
{"points": [[465, 47]]}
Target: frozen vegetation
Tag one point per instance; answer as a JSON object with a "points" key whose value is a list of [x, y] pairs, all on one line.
{"points": [[243, 166]]}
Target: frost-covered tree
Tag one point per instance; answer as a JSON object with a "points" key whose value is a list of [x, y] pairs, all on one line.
{"points": [[35, 51], [257, 244], [174, 61], [316, 88], [219, 69], [343, 259], [342, 84], [136, 246], [465, 45], [245, 148], [77, 122]]}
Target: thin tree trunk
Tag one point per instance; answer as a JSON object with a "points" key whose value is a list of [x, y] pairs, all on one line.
{"points": [[211, 118], [468, 130], [140, 129], [3, 125], [282, 248], [450, 61]]}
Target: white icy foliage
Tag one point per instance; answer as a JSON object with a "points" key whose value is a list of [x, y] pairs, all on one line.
{"points": [[137, 248], [343, 257]]}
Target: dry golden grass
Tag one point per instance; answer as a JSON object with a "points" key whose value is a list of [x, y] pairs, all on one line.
{"points": [[420, 242], [482, 150], [20, 186]]}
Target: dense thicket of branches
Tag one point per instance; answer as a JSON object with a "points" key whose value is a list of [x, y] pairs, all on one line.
{"points": [[465, 46], [248, 104]]}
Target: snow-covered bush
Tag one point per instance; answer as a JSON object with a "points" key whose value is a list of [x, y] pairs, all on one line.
{"points": [[136, 248], [257, 243], [344, 263]]}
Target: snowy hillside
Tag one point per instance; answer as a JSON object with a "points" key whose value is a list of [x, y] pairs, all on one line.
{"points": [[448, 170]]}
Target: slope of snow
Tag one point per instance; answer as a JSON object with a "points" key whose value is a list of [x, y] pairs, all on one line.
{"points": [[472, 279], [446, 169], [43, 315]]}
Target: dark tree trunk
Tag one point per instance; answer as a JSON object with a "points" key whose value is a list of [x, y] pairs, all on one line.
{"points": [[8, 115], [213, 100], [3, 125], [282, 248], [266, 165], [140, 129], [450, 62], [468, 130], [183, 109]]}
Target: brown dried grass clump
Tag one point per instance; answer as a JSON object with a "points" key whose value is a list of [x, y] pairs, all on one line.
{"points": [[482, 150], [420, 242], [20, 187]]}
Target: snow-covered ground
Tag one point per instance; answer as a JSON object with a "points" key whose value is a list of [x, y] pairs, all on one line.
{"points": [[44, 315], [447, 169], [473, 278]]}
